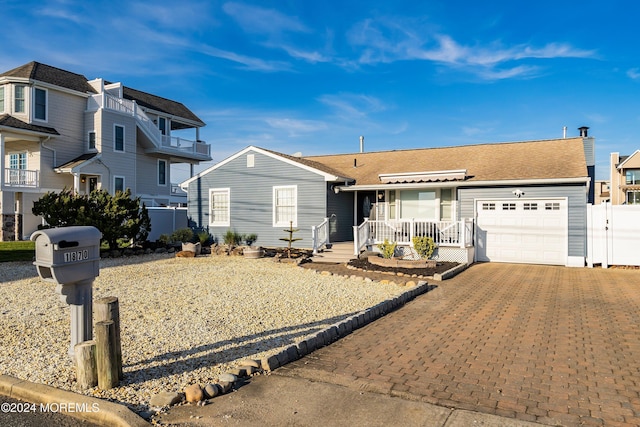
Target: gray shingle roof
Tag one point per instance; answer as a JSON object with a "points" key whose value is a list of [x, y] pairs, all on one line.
{"points": [[52, 75], [11, 122]]}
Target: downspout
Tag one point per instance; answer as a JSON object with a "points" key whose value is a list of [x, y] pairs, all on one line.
{"points": [[50, 149]]}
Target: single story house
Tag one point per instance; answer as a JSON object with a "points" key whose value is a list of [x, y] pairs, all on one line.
{"points": [[522, 202]]}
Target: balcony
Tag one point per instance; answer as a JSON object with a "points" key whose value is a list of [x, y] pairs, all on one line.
{"points": [[163, 143], [21, 178]]}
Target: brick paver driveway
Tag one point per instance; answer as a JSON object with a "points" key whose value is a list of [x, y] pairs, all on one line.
{"points": [[548, 344]]}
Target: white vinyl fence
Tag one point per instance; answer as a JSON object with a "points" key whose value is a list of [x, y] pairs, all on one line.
{"points": [[166, 220], [613, 235]]}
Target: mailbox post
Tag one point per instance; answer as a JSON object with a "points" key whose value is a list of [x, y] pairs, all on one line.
{"points": [[70, 258]]}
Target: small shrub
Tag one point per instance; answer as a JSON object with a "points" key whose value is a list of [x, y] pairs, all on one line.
{"points": [[387, 249], [164, 239], [424, 246], [182, 235], [231, 238], [249, 239], [203, 236]]}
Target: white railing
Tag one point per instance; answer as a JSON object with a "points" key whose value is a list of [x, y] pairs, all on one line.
{"points": [[21, 178], [320, 235], [443, 233], [130, 108]]}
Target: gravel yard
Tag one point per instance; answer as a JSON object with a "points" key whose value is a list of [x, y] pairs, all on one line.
{"points": [[183, 320]]}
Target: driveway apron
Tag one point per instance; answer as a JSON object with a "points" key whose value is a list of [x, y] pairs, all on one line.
{"points": [[553, 345]]}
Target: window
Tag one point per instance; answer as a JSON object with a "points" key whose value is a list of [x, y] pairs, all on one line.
{"points": [[40, 106], [251, 160], [418, 204], [446, 202], [92, 140], [118, 138], [118, 184], [632, 176], [285, 206], [530, 206], [17, 168], [162, 125], [19, 99], [633, 197], [552, 206], [488, 206], [1, 99], [162, 172], [219, 207], [508, 206]]}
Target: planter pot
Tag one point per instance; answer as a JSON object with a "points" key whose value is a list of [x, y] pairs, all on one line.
{"points": [[192, 247], [401, 263], [253, 253]]}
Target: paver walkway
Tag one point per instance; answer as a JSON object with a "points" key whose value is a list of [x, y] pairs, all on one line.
{"points": [[554, 345]]}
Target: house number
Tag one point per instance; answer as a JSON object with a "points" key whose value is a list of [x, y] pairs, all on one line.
{"points": [[76, 255]]}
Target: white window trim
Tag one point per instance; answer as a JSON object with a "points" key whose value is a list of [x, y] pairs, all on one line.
{"points": [[166, 172], [124, 183], [295, 211], [220, 223], [24, 99], [4, 98], [46, 104], [89, 140], [124, 138]]}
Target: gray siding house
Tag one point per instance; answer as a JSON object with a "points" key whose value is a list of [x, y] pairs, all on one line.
{"points": [[60, 130], [522, 202]]}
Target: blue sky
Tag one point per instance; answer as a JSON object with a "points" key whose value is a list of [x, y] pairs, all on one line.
{"points": [[311, 77]]}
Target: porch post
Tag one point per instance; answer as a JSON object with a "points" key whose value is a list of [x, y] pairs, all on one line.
{"points": [[412, 231], [76, 183], [356, 244], [2, 171], [462, 233], [314, 239]]}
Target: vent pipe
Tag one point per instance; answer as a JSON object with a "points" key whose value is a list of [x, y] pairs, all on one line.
{"points": [[361, 144], [564, 132], [584, 131]]}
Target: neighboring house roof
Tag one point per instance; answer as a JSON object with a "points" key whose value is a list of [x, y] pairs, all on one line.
{"points": [[312, 164], [7, 121], [627, 159], [531, 160], [76, 162], [163, 105], [52, 75]]}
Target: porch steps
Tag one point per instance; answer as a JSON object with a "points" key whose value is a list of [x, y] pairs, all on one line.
{"points": [[340, 252]]}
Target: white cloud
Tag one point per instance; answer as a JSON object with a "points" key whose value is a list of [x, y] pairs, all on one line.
{"points": [[258, 20], [348, 105], [295, 127], [634, 73]]}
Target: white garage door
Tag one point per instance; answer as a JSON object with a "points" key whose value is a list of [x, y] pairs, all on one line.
{"points": [[522, 231]]}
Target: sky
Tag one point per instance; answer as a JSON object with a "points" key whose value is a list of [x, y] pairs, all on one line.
{"points": [[312, 77]]}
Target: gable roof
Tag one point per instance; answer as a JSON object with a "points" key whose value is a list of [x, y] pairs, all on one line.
{"points": [[7, 121], [530, 160], [627, 159], [163, 105], [52, 75]]}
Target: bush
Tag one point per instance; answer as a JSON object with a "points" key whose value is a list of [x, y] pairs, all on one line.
{"points": [[184, 235], [164, 239], [424, 246], [249, 239], [387, 249], [231, 238]]}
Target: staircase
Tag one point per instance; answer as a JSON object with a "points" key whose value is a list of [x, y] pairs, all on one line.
{"points": [[340, 252]]}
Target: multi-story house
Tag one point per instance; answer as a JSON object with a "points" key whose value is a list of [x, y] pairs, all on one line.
{"points": [[59, 130], [625, 179]]}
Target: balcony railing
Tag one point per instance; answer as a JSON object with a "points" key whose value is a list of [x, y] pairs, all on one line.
{"points": [[21, 178], [130, 108], [443, 233]]}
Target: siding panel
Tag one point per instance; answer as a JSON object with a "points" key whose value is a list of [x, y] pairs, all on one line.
{"points": [[252, 198]]}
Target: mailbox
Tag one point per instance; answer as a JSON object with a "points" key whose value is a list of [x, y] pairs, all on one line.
{"points": [[67, 255]]}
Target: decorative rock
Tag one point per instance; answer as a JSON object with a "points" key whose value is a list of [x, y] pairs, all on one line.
{"points": [[326, 273], [212, 390], [228, 378], [410, 283], [250, 362], [193, 393], [239, 372], [225, 386], [166, 398], [250, 370]]}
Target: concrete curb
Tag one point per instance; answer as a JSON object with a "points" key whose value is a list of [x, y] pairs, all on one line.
{"points": [[341, 329], [451, 272], [79, 406]]}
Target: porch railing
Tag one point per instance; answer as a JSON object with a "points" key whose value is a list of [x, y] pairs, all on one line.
{"points": [[130, 108], [21, 178], [320, 235], [443, 233]]}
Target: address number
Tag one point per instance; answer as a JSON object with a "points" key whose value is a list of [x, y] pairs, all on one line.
{"points": [[76, 256]]}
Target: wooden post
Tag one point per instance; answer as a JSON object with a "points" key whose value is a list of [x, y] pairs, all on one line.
{"points": [[86, 373], [106, 355], [108, 309]]}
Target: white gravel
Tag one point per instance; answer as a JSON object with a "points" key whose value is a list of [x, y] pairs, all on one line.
{"points": [[183, 320]]}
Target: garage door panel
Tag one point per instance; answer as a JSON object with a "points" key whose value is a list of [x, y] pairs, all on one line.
{"points": [[527, 231]]}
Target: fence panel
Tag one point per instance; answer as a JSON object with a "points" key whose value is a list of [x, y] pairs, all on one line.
{"points": [[613, 233], [166, 220]]}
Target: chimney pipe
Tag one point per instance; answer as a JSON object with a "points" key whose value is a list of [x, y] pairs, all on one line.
{"points": [[584, 131], [361, 144]]}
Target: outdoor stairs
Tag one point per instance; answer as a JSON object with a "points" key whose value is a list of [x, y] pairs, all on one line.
{"points": [[340, 252]]}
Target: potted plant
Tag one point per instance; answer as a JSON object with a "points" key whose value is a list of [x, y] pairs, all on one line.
{"points": [[251, 251]]}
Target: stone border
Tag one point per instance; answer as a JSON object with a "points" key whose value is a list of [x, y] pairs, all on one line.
{"points": [[341, 329], [451, 272]]}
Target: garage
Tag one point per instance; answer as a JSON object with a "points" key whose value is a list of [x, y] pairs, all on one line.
{"points": [[532, 231]]}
